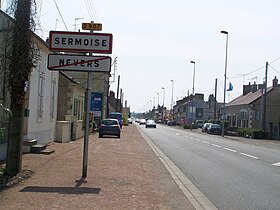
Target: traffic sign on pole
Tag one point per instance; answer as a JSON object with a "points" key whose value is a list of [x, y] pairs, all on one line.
{"points": [[65, 62], [92, 26], [81, 42]]}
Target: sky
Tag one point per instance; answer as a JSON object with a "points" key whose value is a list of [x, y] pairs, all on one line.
{"points": [[154, 42]]}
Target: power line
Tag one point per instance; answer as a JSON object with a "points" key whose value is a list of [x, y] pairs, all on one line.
{"points": [[91, 10], [60, 14], [274, 69]]}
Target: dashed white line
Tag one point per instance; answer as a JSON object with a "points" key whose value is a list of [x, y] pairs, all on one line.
{"points": [[231, 150], [251, 156], [177, 134], [205, 142], [215, 145], [276, 164]]}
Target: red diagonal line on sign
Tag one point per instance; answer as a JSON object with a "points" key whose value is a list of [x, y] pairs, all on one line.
{"points": [[82, 62]]}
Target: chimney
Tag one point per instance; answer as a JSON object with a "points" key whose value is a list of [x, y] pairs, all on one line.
{"points": [[254, 87], [112, 94], [261, 86], [274, 82], [247, 89]]}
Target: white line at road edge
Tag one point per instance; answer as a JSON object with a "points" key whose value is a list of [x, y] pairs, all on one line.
{"points": [[194, 195]]}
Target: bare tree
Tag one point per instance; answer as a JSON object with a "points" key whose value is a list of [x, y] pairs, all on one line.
{"points": [[22, 62]]}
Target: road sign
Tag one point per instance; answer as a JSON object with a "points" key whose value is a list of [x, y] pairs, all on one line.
{"points": [[92, 26], [81, 42], [64, 62]]}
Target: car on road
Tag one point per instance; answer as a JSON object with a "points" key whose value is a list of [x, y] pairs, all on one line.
{"points": [[142, 122], [171, 123], [199, 123], [214, 129], [109, 127], [205, 127], [118, 116], [151, 124]]}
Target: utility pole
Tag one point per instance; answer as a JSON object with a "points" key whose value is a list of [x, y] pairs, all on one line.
{"points": [[117, 103], [215, 104], [264, 102]]}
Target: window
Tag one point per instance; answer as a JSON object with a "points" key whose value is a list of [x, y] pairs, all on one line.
{"points": [[76, 106], [52, 102], [41, 95]]}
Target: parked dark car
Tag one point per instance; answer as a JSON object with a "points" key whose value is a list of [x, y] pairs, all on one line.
{"points": [[199, 123], [205, 127], [151, 124], [171, 123], [109, 127], [214, 129]]}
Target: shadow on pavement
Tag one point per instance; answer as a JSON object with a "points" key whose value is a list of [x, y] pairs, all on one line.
{"points": [[64, 190]]}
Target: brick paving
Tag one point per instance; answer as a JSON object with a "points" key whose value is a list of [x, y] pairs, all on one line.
{"points": [[122, 174]]}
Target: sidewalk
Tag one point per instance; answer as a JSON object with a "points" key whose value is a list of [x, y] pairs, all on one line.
{"points": [[122, 174]]}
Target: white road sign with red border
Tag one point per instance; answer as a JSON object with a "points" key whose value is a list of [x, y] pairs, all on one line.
{"points": [[81, 42], [64, 62]]}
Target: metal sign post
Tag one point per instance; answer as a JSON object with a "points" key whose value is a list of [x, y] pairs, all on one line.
{"points": [[88, 95], [63, 41]]}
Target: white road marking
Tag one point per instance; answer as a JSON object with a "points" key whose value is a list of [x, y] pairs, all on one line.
{"points": [[195, 196], [186, 136], [276, 164], [205, 142], [177, 134], [215, 145], [251, 156], [231, 150]]}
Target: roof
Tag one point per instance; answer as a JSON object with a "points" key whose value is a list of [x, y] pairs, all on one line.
{"points": [[248, 98]]}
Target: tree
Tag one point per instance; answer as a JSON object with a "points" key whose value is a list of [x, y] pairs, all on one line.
{"points": [[22, 62]]}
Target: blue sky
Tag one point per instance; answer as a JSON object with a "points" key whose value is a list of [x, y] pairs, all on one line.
{"points": [[156, 40]]}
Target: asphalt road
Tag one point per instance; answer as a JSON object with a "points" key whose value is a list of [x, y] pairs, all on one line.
{"points": [[233, 174]]}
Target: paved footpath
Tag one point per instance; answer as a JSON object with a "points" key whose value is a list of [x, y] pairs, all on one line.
{"points": [[122, 174]]}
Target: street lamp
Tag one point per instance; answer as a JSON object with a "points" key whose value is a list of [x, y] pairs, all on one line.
{"points": [[163, 104], [158, 99], [192, 115], [76, 22], [163, 96], [171, 107], [193, 76], [224, 114]]}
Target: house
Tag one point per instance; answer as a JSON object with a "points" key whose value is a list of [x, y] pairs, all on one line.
{"points": [[253, 110], [41, 89], [100, 84], [70, 109], [192, 108]]}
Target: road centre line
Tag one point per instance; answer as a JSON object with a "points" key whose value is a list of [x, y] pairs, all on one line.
{"points": [[251, 156], [205, 142], [276, 164], [215, 145], [231, 150]]}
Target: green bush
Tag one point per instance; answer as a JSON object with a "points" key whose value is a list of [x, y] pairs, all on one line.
{"points": [[244, 131], [189, 126], [258, 134], [252, 133], [125, 119]]}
